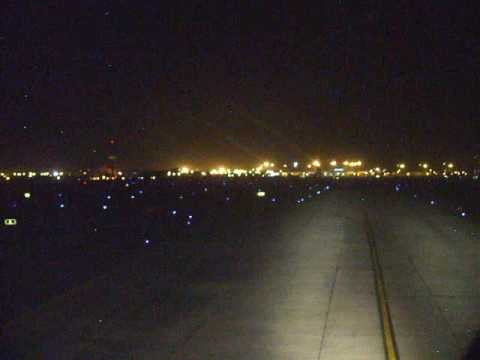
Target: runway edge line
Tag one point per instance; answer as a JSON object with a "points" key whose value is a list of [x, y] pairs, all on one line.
{"points": [[390, 344]]}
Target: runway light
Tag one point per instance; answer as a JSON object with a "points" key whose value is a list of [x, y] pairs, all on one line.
{"points": [[432, 202], [62, 206], [10, 222], [260, 193], [463, 214], [104, 207], [147, 242], [27, 195], [174, 212]]}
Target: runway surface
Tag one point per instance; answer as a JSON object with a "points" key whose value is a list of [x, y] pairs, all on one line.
{"points": [[297, 284]]}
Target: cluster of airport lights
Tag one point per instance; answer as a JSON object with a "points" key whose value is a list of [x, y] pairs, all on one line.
{"points": [[260, 194], [57, 174], [265, 169], [105, 203], [460, 210], [448, 169], [333, 168]]}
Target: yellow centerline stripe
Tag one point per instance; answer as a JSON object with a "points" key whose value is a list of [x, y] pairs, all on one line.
{"points": [[387, 326]]}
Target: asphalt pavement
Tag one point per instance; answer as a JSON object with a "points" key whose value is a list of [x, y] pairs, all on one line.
{"points": [[295, 285]]}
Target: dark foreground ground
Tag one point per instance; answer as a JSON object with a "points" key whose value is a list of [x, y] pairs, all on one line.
{"points": [[292, 280]]}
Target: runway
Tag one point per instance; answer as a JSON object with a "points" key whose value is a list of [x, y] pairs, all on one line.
{"points": [[298, 284]]}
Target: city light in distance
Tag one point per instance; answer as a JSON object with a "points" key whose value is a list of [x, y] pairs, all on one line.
{"points": [[266, 168], [356, 163], [185, 170]]}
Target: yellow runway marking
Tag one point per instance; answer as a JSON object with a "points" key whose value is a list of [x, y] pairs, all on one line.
{"points": [[387, 327]]}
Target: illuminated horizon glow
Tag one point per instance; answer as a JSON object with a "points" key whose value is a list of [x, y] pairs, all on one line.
{"points": [[264, 168]]}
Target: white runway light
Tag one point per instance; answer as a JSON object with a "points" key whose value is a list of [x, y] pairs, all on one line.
{"points": [[10, 222]]}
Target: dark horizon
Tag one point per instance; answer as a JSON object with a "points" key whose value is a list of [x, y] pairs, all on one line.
{"points": [[237, 84]]}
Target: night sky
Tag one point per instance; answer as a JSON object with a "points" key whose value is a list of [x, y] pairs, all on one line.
{"points": [[236, 82]]}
